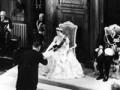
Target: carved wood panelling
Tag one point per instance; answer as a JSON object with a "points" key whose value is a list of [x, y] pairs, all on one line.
{"points": [[75, 16], [73, 3], [69, 9]]}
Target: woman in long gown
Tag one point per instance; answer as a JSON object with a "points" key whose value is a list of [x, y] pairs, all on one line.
{"points": [[64, 64]]}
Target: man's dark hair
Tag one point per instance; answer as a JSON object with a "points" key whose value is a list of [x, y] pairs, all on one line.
{"points": [[36, 44]]}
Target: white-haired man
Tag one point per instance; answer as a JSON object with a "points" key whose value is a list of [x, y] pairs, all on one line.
{"points": [[5, 29], [40, 29]]}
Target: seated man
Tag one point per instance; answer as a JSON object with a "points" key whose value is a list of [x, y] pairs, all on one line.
{"points": [[104, 61], [112, 34]]}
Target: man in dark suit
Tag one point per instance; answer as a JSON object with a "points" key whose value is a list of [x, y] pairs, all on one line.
{"points": [[40, 24], [28, 62], [104, 60], [5, 29]]}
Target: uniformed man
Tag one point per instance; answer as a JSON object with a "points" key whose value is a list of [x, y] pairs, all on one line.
{"points": [[5, 29]]}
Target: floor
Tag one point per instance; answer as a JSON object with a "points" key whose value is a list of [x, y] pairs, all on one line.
{"points": [[8, 76], [89, 82]]}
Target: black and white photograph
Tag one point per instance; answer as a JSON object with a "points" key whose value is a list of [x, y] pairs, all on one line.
{"points": [[59, 44]]}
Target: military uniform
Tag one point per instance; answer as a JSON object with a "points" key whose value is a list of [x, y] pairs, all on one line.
{"points": [[4, 32]]}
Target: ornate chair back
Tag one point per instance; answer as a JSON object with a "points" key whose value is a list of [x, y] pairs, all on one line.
{"points": [[70, 30], [108, 31]]}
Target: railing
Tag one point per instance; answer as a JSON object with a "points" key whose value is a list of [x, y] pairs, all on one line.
{"points": [[20, 30]]}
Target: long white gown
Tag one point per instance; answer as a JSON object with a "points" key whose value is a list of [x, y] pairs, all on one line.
{"points": [[62, 63]]}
